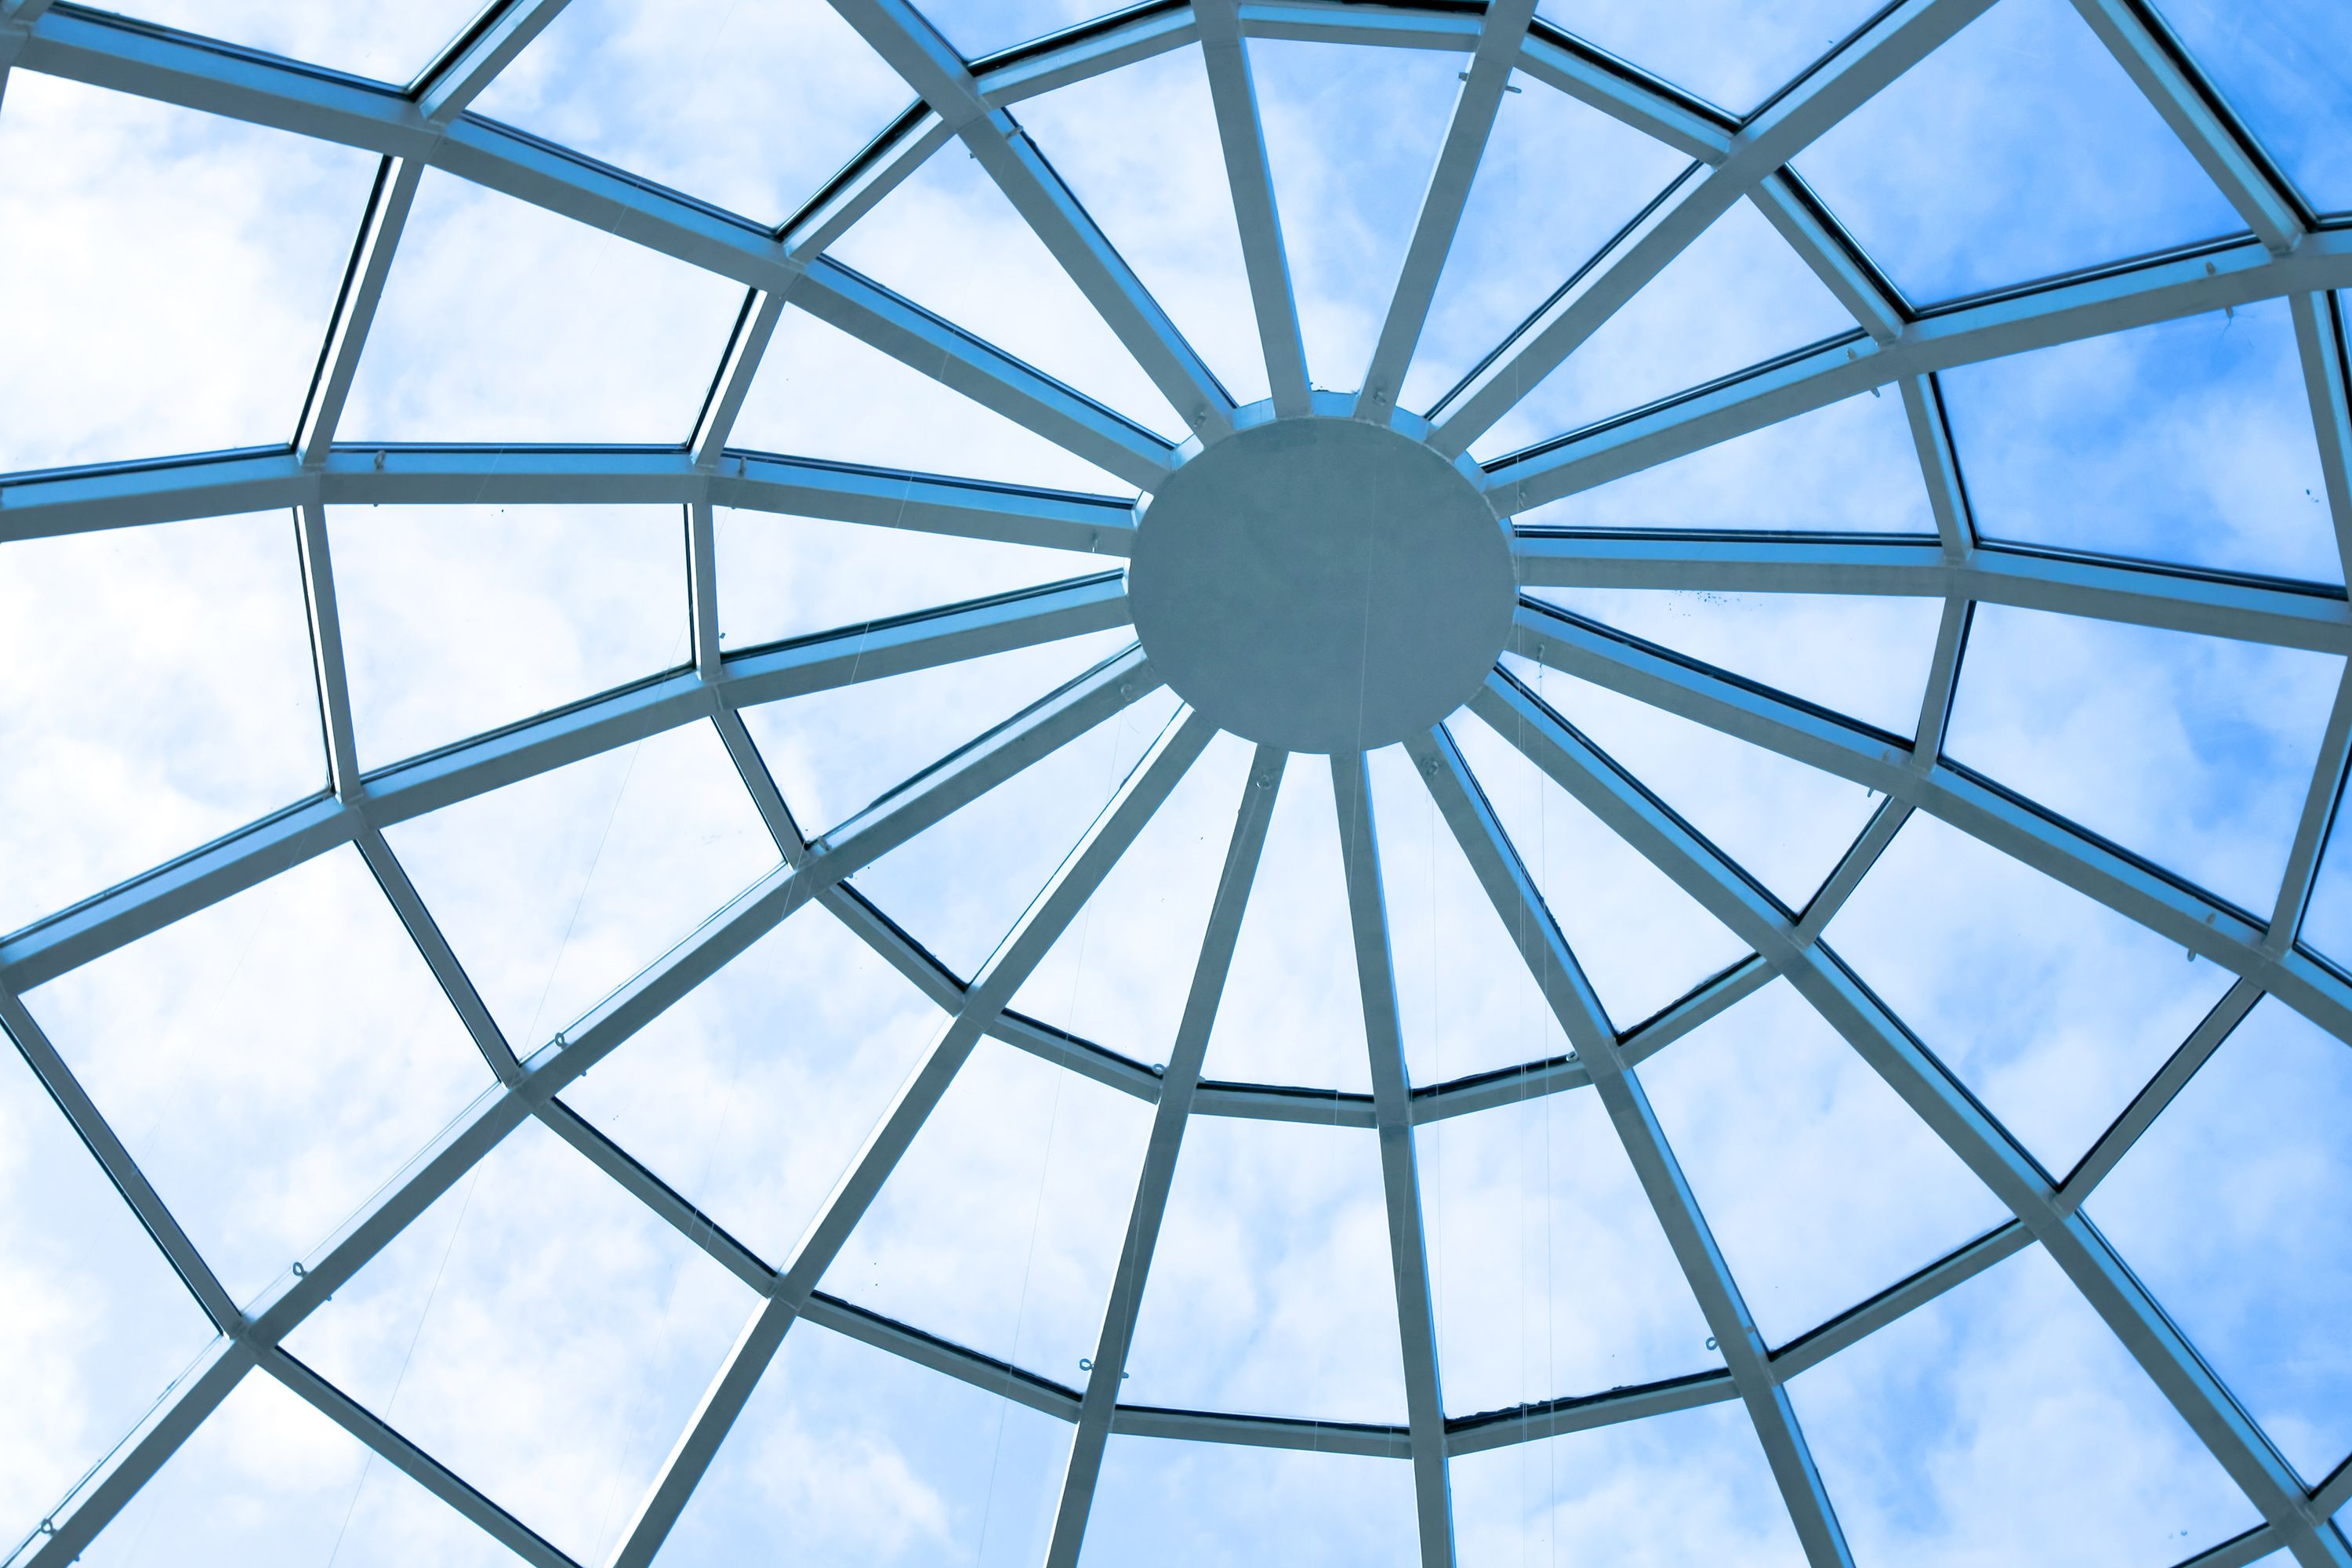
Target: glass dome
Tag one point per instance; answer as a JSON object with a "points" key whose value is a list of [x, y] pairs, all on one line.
{"points": [[1298, 781]]}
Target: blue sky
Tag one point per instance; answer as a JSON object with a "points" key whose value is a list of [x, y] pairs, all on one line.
{"points": [[272, 1059]]}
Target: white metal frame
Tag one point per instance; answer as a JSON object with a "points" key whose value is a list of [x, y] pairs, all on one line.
{"points": [[2286, 252]]}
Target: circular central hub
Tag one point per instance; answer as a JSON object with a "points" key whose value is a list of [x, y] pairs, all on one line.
{"points": [[1321, 584]]}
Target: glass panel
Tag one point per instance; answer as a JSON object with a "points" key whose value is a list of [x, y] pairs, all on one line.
{"points": [[502, 321], [1001, 1228], [267, 1479], [2018, 149], [1821, 1185], [99, 1324], [1271, 1288], [1787, 823], [2327, 923], [1734, 54], [2195, 751], [158, 694], [457, 619], [389, 42], [1293, 1010], [753, 1093], [2054, 1010], [1641, 940], [540, 1333], [2219, 1208], [555, 889], [849, 1455], [960, 887], [820, 393], [1173, 218], [1351, 135], [1551, 1273], [2186, 441], [982, 27], [1159, 1501], [949, 240], [1465, 998], [832, 752], [2283, 67], [1737, 297], [142, 348], [1691, 1487], [2004, 1423], [1802, 644], [1557, 182], [782, 577], [1848, 466], [661, 88], [1120, 975], [269, 1060]]}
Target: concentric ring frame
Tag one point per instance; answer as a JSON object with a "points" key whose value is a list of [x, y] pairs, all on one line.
{"points": [[2285, 253]]}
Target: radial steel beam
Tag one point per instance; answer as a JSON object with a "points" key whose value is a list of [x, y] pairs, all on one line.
{"points": [[1832, 255], [1985, 1147], [2319, 341], [1367, 924], [463, 74], [1500, 34], [327, 669], [746, 348], [1183, 1075], [388, 207], [1899, 38], [2313, 827], [1939, 464], [1041, 925], [1520, 906], [1233, 97]]}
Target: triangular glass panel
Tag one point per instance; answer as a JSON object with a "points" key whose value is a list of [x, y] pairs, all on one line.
{"points": [[1737, 297], [2189, 441], [979, 27], [2054, 1010], [1293, 1010], [2195, 751], [786, 576], [1642, 940], [832, 752], [1690, 1486], [1000, 1227], [821, 393], [539, 1331], [1351, 136], [1557, 181], [484, 330], [2327, 923], [1465, 999], [1171, 219], [457, 619], [391, 43], [1733, 54], [1120, 975], [2016, 151], [1821, 1185], [850, 1455], [555, 889], [267, 1479], [959, 886], [2004, 1423], [660, 88], [1850, 468], [752, 1095], [2282, 67], [1787, 823], [2218, 1210], [1549, 1272], [140, 349], [269, 1060], [949, 240], [1802, 644], [1271, 1291], [1271, 1506], [158, 694], [100, 1325]]}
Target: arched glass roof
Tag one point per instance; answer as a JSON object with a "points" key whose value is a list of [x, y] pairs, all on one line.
{"points": [[576, 755]]}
